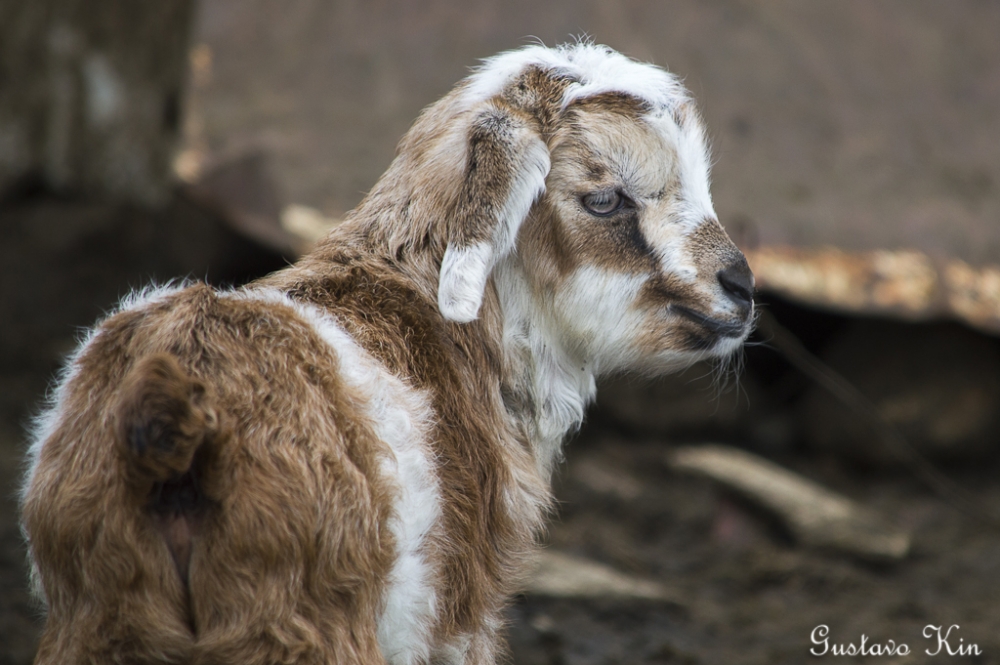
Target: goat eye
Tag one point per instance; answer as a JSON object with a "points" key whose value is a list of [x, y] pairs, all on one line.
{"points": [[603, 204]]}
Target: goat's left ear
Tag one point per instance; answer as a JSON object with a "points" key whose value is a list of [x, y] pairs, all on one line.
{"points": [[507, 162]]}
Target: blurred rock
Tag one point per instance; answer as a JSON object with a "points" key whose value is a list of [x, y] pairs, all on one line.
{"points": [[814, 515], [561, 575], [939, 385], [597, 475], [244, 194], [307, 224]]}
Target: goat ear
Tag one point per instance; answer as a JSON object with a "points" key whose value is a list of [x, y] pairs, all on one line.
{"points": [[506, 166]]}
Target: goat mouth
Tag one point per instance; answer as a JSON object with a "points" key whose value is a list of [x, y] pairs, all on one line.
{"points": [[714, 326]]}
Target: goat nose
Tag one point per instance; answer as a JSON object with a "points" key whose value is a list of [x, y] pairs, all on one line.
{"points": [[737, 281]]}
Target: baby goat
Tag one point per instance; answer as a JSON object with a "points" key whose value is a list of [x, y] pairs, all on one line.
{"points": [[348, 461]]}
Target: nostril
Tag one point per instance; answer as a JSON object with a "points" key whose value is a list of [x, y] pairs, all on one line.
{"points": [[737, 281]]}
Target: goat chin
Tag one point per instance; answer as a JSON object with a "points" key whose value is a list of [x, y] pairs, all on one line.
{"points": [[348, 460]]}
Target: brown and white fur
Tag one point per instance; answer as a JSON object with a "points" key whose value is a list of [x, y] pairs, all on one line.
{"points": [[348, 460]]}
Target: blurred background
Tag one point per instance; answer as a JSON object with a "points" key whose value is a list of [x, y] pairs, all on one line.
{"points": [[856, 163]]}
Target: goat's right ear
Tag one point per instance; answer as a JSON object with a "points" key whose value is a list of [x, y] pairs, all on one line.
{"points": [[506, 165]]}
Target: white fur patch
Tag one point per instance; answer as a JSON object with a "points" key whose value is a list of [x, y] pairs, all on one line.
{"points": [[401, 417], [667, 234], [686, 134], [527, 185], [464, 270], [598, 69], [560, 383], [596, 306], [463, 280]]}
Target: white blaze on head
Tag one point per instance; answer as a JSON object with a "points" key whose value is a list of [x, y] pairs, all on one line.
{"points": [[595, 69], [691, 205]]}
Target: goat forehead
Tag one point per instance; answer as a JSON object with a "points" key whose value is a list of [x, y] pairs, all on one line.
{"points": [[614, 140], [660, 162], [614, 150]]}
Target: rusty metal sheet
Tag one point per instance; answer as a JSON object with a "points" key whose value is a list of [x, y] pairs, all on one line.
{"points": [[904, 283]]}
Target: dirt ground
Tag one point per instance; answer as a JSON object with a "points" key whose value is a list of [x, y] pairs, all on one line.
{"points": [[741, 590], [745, 594]]}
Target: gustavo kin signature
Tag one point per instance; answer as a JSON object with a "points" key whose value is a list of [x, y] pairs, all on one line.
{"points": [[940, 641]]}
